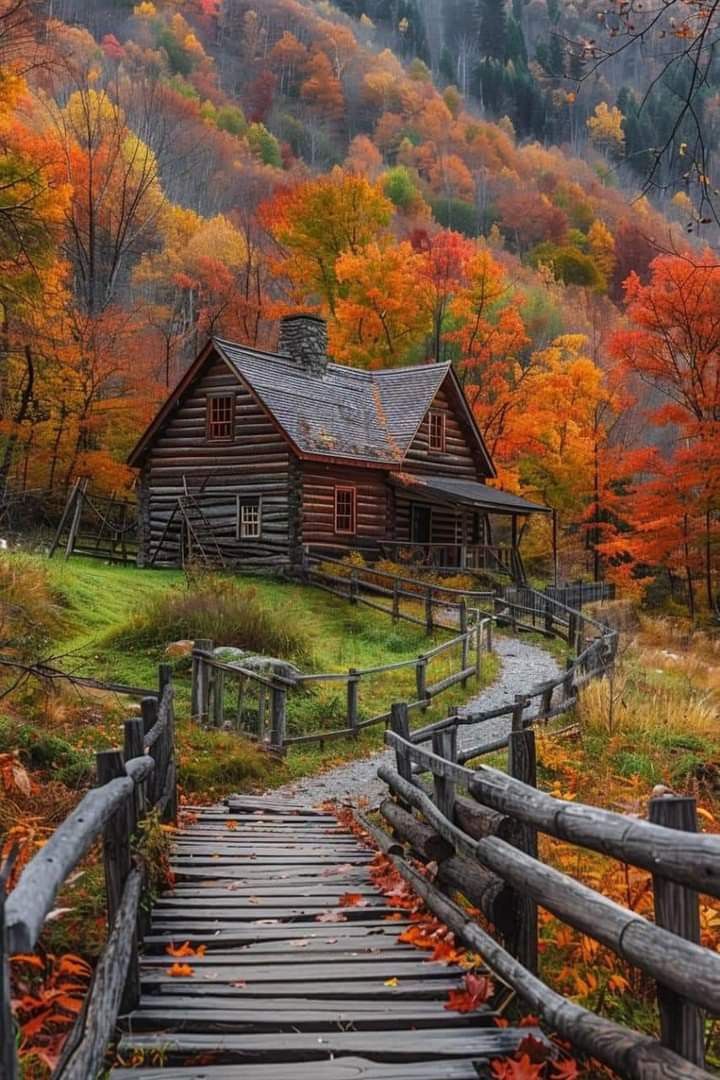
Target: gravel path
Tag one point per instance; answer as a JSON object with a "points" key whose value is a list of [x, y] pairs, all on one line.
{"points": [[357, 780]]}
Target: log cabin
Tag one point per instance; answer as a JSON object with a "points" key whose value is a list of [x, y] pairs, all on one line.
{"points": [[257, 457]]}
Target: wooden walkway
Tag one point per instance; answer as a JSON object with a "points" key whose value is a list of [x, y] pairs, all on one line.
{"points": [[281, 991]]}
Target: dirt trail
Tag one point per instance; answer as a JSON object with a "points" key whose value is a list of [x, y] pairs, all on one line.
{"points": [[522, 664]]}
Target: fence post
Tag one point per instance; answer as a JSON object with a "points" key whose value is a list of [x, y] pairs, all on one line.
{"points": [[149, 706], [569, 678], [444, 744], [677, 909], [8, 1035], [517, 713], [489, 635], [353, 690], [522, 766], [134, 748], [548, 616], [202, 707], [421, 681], [466, 639], [572, 631], [109, 764], [279, 717], [396, 600], [429, 610], [218, 705], [353, 596], [165, 685], [400, 725], [478, 644]]}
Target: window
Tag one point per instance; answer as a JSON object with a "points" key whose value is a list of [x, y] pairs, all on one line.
{"points": [[249, 519], [437, 431], [221, 418], [345, 498]]}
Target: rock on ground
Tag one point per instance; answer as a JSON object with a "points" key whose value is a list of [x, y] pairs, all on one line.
{"points": [[523, 665]]}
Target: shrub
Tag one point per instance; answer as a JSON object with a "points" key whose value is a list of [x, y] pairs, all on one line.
{"points": [[30, 612], [47, 753], [218, 608]]}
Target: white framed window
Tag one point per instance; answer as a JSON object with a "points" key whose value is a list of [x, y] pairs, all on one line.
{"points": [[249, 519]]}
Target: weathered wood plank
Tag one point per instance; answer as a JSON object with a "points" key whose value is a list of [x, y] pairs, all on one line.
{"points": [[85, 1050], [389, 1046], [34, 895], [345, 1068]]}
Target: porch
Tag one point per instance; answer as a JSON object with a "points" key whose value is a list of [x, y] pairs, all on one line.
{"points": [[454, 524]]}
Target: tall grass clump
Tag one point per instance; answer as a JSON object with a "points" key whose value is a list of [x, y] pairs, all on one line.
{"points": [[218, 608], [31, 615]]}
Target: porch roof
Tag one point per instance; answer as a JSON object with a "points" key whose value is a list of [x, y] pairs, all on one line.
{"points": [[466, 493]]}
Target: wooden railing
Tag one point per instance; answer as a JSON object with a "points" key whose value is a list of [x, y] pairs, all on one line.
{"points": [[131, 782], [259, 707], [596, 646], [479, 828], [502, 559], [441, 605]]}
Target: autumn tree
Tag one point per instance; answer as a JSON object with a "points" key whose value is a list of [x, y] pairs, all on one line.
{"points": [[317, 222], [117, 197], [384, 311], [490, 335]]}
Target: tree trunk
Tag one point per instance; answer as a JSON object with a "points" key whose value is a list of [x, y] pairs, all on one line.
{"points": [[20, 416]]}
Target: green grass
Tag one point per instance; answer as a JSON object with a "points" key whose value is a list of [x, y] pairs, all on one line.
{"points": [[101, 605]]}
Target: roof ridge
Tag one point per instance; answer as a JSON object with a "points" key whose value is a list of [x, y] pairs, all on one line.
{"points": [[363, 373]]}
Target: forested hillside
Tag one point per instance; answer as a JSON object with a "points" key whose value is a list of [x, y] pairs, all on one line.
{"points": [[441, 180]]}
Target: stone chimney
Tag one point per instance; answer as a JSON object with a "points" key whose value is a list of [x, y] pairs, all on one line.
{"points": [[304, 338]]}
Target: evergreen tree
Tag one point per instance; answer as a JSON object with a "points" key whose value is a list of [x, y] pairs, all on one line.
{"points": [[448, 70], [516, 49], [492, 21]]}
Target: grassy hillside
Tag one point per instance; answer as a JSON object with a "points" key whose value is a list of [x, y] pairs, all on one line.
{"points": [[109, 629]]}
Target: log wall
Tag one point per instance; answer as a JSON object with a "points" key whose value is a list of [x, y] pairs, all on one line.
{"points": [[460, 458], [374, 506], [256, 463]]}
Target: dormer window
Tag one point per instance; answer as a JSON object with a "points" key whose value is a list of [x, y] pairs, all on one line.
{"points": [[437, 431], [221, 418]]}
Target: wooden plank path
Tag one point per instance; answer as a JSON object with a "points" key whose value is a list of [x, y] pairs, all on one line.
{"points": [[278, 993]]}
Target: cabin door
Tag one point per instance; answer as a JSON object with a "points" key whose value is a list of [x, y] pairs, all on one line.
{"points": [[420, 524]]}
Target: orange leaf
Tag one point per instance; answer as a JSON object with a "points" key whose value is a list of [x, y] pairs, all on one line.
{"points": [[352, 899], [180, 970]]}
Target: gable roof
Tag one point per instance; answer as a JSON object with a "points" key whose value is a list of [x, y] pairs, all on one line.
{"points": [[343, 412]]}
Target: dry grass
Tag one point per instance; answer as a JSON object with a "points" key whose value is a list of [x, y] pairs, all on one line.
{"points": [[30, 612], [217, 608]]}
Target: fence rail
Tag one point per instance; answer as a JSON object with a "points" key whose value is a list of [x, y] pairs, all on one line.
{"points": [[260, 705], [484, 844], [131, 782]]}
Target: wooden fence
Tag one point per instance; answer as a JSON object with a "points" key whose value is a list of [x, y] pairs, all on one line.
{"points": [[480, 828], [440, 604], [131, 782], [237, 697]]}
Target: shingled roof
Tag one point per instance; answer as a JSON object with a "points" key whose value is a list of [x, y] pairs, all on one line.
{"points": [[341, 412], [334, 411]]}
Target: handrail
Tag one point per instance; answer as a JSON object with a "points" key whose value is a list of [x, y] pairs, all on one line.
{"points": [[490, 854], [209, 673], [131, 782]]}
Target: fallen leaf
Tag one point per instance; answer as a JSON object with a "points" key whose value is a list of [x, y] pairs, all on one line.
{"points": [[391, 982], [331, 917], [239, 984], [57, 913], [352, 899], [478, 989], [180, 970]]}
